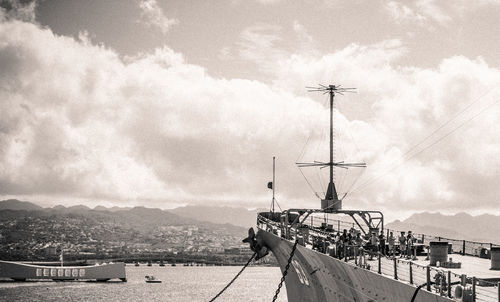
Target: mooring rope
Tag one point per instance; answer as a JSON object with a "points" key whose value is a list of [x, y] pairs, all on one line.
{"points": [[285, 272], [235, 277]]}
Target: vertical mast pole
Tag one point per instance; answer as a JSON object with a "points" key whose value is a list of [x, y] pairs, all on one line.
{"points": [[274, 181], [331, 141]]}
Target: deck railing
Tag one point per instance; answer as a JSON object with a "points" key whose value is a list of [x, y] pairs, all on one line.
{"points": [[438, 280], [464, 247]]}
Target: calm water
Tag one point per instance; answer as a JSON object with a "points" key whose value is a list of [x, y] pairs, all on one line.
{"points": [[180, 283]]}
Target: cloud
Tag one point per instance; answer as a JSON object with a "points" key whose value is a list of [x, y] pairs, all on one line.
{"points": [[81, 122], [419, 12], [258, 44], [398, 107], [21, 10], [152, 16], [430, 12]]}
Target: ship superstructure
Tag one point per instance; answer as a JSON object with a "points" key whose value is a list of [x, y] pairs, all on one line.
{"points": [[324, 262]]}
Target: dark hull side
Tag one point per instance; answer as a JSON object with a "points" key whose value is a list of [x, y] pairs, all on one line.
{"points": [[314, 276]]}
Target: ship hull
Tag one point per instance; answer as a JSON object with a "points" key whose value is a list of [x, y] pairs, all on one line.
{"points": [[22, 272], [314, 276]]}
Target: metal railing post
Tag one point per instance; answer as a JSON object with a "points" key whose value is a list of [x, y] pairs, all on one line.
{"points": [[411, 273], [428, 277], [395, 269], [463, 247], [356, 255], [379, 265], [473, 289], [498, 288], [449, 284]]}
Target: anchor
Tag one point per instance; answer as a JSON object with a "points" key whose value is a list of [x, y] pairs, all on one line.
{"points": [[256, 244]]}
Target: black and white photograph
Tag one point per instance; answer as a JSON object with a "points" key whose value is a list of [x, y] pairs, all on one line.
{"points": [[250, 150]]}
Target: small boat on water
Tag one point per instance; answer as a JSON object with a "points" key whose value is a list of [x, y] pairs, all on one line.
{"points": [[152, 279]]}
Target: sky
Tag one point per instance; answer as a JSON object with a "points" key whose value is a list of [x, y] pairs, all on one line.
{"points": [[167, 103]]}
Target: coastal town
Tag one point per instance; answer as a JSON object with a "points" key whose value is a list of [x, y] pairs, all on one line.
{"points": [[38, 236]]}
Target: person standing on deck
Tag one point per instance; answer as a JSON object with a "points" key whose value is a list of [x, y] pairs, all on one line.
{"points": [[391, 240], [358, 247], [381, 239], [345, 242], [410, 245], [402, 244], [373, 244], [338, 244]]}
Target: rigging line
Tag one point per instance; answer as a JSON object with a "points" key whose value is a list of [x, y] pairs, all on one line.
{"points": [[321, 140], [304, 148], [322, 136], [450, 120], [363, 187], [352, 185], [301, 155], [349, 132], [320, 180], [278, 204], [276, 200], [358, 177], [406, 154], [310, 186]]}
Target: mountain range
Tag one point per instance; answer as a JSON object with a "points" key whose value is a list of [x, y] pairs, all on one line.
{"points": [[482, 228], [139, 218]]}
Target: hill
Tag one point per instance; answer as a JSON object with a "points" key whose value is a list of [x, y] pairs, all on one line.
{"points": [[84, 232], [483, 228], [235, 216], [16, 205], [141, 219]]}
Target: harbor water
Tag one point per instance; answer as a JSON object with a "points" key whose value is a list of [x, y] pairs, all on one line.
{"points": [[180, 283]]}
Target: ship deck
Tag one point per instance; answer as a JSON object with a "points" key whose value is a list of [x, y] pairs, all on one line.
{"points": [[470, 266], [474, 274]]}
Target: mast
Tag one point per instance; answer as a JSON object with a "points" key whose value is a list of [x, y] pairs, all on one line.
{"points": [[272, 184], [331, 202], [274, 181], [331, 193]]}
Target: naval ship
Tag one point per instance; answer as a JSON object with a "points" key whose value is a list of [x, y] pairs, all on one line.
{"points": [[319, 264]]}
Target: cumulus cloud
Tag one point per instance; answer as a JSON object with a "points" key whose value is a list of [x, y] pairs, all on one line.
{"points": [[399, 106], [81, 122], [21, 10], [152, 15]]}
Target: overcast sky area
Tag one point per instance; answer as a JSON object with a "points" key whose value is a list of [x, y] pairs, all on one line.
{"points": [[165, 103]]}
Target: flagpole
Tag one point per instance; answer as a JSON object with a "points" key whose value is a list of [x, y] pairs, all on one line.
{"points": [[274, 181]]}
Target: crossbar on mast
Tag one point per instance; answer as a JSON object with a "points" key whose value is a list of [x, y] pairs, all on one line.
{"points": [[331, 201]]}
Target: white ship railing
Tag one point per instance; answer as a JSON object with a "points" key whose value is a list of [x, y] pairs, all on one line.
{"points": [[399, 269]]}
